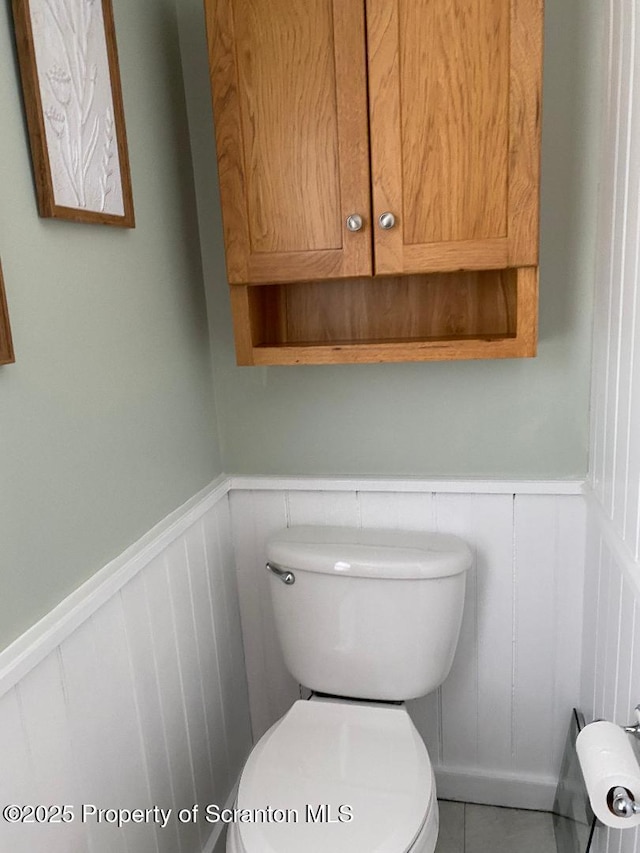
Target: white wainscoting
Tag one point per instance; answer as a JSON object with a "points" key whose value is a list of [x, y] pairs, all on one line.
{"points": [[611, 660], [495, 729], [611, 674], [615, 428], [132, 694]]}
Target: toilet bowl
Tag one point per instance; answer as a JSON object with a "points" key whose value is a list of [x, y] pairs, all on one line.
{"points": [[337, 776], [366, 619]]}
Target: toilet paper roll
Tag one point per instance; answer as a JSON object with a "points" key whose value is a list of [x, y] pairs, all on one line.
{"points": [[608, 761]]}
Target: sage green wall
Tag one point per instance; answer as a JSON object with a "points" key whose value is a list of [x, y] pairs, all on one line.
{"points": [[495, 419], [107, 418]]}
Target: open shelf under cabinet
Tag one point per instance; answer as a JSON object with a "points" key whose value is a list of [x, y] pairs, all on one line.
{"points": [[443, 316]]}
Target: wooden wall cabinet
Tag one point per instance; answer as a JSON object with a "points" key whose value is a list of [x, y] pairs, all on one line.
{"points": [[419, 115]]}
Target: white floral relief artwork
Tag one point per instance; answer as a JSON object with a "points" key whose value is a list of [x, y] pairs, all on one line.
{"points": [[75, 89]]}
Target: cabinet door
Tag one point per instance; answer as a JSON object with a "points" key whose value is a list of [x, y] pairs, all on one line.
{"points": [[290, 104], [455, 124]]}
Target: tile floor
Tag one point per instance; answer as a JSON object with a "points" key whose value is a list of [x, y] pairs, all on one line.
{"points": [[466, 828]]}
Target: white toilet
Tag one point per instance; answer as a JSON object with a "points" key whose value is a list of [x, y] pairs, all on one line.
{"points": [[366, 619]]}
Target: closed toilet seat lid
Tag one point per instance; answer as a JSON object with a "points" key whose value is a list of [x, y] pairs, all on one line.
{"points": [[339, 777]]}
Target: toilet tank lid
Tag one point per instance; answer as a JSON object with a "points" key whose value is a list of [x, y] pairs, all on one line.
{"points": [[356, 552]]}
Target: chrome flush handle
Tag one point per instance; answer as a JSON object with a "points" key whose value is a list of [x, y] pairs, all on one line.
{"points": [[285, 575]]}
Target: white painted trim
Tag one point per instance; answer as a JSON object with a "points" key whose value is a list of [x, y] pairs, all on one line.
{"points": [[41, 639], [408, 484], [623, 554], [218, 829], [517, 791]]}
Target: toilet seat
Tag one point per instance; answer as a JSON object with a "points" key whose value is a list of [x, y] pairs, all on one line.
{"points": [[334, 754]]}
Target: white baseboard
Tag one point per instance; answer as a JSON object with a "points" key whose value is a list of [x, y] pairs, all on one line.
{"points": [[536, 793], [510, 790]]}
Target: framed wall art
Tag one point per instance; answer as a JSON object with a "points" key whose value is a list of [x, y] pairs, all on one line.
{"points": [[6, 344], [73, 103]]}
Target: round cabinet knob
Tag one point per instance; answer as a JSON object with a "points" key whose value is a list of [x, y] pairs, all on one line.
{"points": [[354, 222], [386, 220]]}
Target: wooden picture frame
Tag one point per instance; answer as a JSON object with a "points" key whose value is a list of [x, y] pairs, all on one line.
{"points": [[6, 344], [73, 103]]}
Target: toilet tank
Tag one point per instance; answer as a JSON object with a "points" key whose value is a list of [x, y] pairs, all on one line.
{"points": [[370, 614]]}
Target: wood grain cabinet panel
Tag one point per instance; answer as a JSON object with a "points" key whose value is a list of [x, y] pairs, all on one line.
{"points": [[454, 92], [454, 89], [290, 102]]}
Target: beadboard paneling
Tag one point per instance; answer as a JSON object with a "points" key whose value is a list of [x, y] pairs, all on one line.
{"points": [[491, 729], [611, 646], [611, 676], [615, 447], [142, 703]]}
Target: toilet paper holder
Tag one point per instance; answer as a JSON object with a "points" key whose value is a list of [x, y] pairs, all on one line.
{"points": [[622, 802]]}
